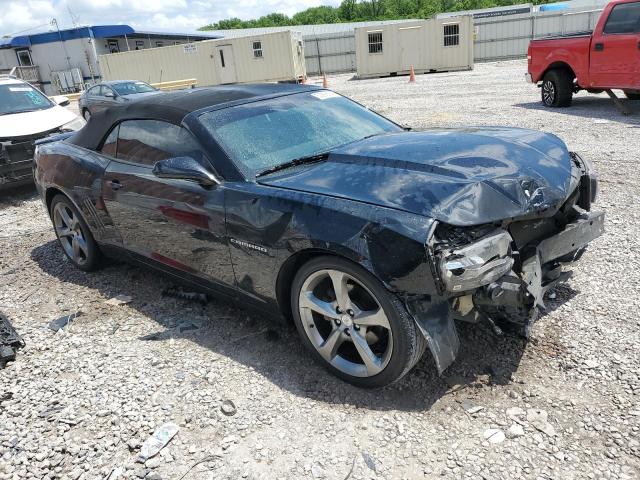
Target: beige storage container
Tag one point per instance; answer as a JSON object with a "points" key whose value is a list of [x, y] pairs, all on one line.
{"points": [[270, 57], [426, 45]]}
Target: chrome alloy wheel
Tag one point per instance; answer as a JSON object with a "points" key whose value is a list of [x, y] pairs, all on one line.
{"points": [[548, 92], [69, 231], [345, 323]]}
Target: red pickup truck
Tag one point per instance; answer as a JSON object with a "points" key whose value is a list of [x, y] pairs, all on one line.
{"points": [[608, 58]]}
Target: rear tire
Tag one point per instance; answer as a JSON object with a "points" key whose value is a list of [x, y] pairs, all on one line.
{"points": [[74, 235], [86, 114], [557, 88], [362, 334], [632, 94]]}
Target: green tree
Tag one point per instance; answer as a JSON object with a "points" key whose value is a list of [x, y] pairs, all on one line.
{"points": [[348, 10], [316, 15], [359, 10]]}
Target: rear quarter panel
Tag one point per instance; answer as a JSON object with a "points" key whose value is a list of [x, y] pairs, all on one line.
{"points": [[77, 173], [549, 53]]}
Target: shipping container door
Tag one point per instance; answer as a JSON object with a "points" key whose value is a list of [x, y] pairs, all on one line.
{"points": [[411, 47], [227, 64]]}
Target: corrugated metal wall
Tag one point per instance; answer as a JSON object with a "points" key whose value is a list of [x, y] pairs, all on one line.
{"points": [[508, 37], [330, 53]]}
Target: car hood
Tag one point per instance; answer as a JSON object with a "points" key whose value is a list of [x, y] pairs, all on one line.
{"points": [[31, 123], [458, 176]]}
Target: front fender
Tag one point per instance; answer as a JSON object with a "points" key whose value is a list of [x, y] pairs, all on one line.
{"points": [[269, 228]]}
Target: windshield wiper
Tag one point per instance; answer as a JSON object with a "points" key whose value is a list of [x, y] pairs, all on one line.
{"points": [[318, 157]]}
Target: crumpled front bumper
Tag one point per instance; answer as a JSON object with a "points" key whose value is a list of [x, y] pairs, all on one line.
{"points": [[499, 284]]}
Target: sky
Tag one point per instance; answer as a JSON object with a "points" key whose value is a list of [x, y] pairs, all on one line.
{"points": [[31, 16]]}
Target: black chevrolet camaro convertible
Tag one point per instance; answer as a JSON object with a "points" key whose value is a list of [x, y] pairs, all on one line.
{"points": [[293, 199]]}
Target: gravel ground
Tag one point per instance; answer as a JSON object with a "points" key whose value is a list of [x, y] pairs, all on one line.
{"points": [[78, 403]]}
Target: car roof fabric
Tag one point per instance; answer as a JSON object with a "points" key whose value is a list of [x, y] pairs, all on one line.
{"points": [[173, 107]]}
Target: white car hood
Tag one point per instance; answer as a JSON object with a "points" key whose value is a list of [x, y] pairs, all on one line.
{"points": [[31, 123]]}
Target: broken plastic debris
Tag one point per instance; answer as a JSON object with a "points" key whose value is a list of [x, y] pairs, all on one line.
{"points": [[156, 442], [10, 341], [60, 323], [7, 354], [119, 300]]}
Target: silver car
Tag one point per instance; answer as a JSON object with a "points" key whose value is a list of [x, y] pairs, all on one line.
{"points": [[106, 94]]}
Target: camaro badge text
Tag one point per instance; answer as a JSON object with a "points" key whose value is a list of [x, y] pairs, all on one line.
{"points": [[242, 243]]}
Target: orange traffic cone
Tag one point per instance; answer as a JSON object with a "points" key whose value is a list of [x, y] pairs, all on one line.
{"points": [[412, 75], [325, 84]]}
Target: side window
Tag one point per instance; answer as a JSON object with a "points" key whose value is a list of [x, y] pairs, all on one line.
{"points": [[109, 145], [106, 91], [624, 18], [148, 141]]}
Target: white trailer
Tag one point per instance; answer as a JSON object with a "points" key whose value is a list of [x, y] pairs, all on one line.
{"points": [[433, 45], [269, 57]]}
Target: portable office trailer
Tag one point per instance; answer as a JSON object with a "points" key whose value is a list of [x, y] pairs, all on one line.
{"points": [[268, 57], [428, 45]]}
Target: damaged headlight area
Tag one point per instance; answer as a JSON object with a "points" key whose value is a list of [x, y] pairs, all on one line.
{"points": [[502, 272], [478, 263]]}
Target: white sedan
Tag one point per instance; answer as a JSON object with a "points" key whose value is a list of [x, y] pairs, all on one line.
{"points": [[27, 115]]}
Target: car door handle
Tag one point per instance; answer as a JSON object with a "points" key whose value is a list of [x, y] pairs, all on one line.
{"points": [[115, 185], [599, 47]]}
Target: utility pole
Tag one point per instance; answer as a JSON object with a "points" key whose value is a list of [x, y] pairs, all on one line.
{"points": [[54, 23]]}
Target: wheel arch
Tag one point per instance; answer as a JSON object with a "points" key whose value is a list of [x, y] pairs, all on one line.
{"points": [[291, 266], [558, 65], [50, 194]]}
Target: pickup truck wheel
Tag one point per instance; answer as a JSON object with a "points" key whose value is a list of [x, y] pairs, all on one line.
{"points": [[557, 88], [352, 325], [632, 94]]}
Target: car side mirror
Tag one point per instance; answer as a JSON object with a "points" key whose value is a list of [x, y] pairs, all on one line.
{"points": [[184, 168], [110, 95]]}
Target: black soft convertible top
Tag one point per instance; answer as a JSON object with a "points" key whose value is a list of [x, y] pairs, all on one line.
{"points": [[172, 107]]}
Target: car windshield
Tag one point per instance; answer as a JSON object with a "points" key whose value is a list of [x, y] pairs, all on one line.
{"points": [[21, 97], [264, 134], [130, 88]]}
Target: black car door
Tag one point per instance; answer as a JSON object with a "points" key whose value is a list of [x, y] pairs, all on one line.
{"points": [[176, 224]]}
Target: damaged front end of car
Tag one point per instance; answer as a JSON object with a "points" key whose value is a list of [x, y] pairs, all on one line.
{"points": [[500, 272]]}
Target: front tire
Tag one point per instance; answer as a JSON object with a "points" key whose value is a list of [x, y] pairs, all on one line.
{"points": [[557, 88], [74, 235], [352, 325], [86, 114]]}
